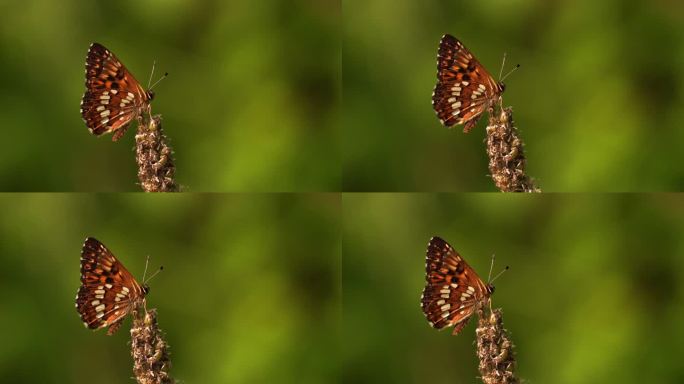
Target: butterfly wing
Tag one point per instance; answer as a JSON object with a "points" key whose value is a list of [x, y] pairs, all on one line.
{"points": [[453, 291], [464, 87], [113, 97], [108, 291]]}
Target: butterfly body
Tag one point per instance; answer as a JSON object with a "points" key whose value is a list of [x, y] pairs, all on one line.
{"points": [[453, 291], [108, 292], [464, 88], [113, 97]]}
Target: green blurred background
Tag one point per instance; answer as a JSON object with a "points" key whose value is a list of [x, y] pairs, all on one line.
{"points": [[249, 292], [594, 293], [598, 97], [251, 102]]}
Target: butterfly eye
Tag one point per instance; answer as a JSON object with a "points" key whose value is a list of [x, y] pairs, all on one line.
{"points": [[150, 95]]}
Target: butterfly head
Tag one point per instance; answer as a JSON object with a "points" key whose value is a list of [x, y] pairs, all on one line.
{"points": [[502, 87], [490, 286], [500, 84], [145, 287], [150, 92]]}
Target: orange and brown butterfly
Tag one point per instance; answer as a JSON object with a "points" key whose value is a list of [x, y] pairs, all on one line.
{"points": [[464, 88], [113, 97], [108, 291], [453, 291]]}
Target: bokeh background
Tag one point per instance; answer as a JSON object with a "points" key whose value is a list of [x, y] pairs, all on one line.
{"points": [[250, 291], [594, 293], [251, 102], [598, 97]]}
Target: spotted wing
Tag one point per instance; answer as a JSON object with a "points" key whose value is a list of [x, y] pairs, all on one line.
{"points": [[108, 291], [453, 291], [464, 87], [113, 97]]}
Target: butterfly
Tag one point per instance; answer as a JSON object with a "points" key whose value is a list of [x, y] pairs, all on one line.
{"points": [[108, 291], [453, 291], [113, 97], [464, 87]]}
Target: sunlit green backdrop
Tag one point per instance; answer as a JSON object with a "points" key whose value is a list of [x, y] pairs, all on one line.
{"points": [[249, 292], [594, 292], [251, 102], [598, 97]]}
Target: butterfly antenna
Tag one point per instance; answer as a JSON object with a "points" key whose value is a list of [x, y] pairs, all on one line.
{"points": [[502, 66], [147, 261], [491, 267], [499, 274], [511, 71], [154, 63], [161, 268], [160, 79]]}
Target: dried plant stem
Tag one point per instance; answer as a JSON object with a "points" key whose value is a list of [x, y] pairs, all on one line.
{"points": [[154, 156], [495, 350], [506, 156], [151, 363]]}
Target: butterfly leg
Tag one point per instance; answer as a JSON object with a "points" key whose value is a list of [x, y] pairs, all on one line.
{"points": [[119, 132], [459, 327], [115, 326], [471, 124]]}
